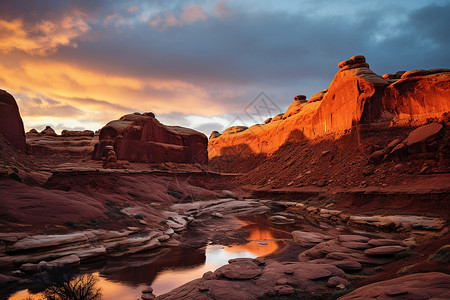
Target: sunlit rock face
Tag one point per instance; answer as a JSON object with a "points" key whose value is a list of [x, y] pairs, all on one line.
{"points": [[142, 138], [356, 97], [418, 95], [11, 125]]}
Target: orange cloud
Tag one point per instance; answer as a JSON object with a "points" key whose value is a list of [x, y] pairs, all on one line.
{"points": [[94, 96], [41, 38]]}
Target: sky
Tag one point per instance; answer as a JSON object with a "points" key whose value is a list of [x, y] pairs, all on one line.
{"points": [[206, 64]]}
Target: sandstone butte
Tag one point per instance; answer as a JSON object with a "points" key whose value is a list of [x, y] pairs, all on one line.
{"points": [[142, 138], [356, 97], [11, 125]]}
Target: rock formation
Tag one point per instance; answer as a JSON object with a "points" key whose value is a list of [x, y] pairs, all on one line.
{"points": [[11, 125], [432, 285], [357, 98], [49, 131], [418, 95], [110, 159], [69, 144], [142, 138]]}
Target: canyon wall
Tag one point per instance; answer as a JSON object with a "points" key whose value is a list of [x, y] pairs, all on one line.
{"points": [[11, 125], [356, 98]]}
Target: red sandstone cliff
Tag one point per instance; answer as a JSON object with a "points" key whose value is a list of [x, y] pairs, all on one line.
{"points": [[11, 125], [142, 138], [356, 97]]}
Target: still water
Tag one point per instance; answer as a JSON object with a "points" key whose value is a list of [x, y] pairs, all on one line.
{"points": [[126, 278]]}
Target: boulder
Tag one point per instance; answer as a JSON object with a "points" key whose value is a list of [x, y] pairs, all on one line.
{"points": [[336, 280], [11, 125], [353, 238], [355, 245], [142, 138], [423, 134], [308, 239], [347, 265], [384, 242], [432, 285], [300, 98], [242, 269], [385, 250]]}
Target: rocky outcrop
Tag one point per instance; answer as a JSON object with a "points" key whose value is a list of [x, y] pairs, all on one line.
{"points": [[418, 95], [11, 125], [356, 100], [246, 278], [353, 98], [431, 285], [296, 106], [48, 131], [69, 143], [142, 138]]}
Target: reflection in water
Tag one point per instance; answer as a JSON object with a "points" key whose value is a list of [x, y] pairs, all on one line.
{"points": [[63, 284], [125, 279]]}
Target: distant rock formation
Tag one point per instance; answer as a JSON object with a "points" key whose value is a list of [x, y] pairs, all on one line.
{"points": [[11, 125], [356, 98], [77, 133], [142, 138], [73, 144], [48, 131]]}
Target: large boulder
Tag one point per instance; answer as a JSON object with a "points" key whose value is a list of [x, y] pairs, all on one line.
{"points": [[11, 125], [142, 138]]}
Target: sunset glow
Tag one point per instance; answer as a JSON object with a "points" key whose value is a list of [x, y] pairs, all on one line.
{"points": [[195, 64]]}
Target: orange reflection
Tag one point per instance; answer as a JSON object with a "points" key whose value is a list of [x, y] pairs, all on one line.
{"points": [[259, 235]]}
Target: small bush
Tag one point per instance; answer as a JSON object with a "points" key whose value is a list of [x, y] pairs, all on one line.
{"points": [[70, 224], [443, 254], [16, 177], [379, 269], [341, 293], [405, 269], [403, 255]]}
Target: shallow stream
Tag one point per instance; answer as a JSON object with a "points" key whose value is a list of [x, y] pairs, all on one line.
{"points": [[125, 278]]}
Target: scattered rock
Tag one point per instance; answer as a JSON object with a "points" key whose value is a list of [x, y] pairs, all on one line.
{"points": [[281, 220], [384, 242], [308, 239], [336, 280], [385, 250], [348, 265], [239, 270], [353, 238], [284, 290]]}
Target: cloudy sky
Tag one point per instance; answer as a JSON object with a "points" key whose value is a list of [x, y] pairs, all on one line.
{"points": [[200, 64]]}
